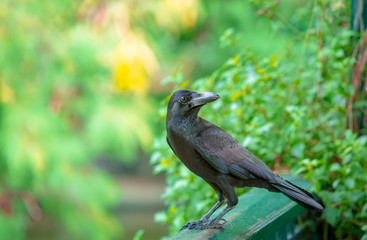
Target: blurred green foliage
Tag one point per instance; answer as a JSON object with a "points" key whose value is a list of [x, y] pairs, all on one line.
{"points": [[59, 111], [189, 31], [290, 109]]}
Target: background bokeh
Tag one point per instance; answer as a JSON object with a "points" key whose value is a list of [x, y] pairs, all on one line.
{"points": [[82, 108]]}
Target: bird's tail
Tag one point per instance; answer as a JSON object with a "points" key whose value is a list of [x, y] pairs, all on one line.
{"points": [[297, 194]]}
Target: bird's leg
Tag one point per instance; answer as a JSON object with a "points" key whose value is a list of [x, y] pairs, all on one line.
{"points": [[197, 224], [202, 221], [214, 223], [205, 218], [230, 195]]}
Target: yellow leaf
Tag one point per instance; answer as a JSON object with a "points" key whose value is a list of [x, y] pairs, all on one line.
{"points": [[172, 209], [235, 59], [273, 59], [260, 70], [164, 163], [131, 77], [235, 95], [309, 166], [6, 93], [135, 62]]}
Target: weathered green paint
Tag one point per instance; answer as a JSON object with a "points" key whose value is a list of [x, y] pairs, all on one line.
{"points": [[259, 215]]}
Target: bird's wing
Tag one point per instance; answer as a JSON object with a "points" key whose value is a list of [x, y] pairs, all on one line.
{"points": [[226, 155]]}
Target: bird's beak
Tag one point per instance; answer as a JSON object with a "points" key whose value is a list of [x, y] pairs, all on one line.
{"points": [[202, 98]]}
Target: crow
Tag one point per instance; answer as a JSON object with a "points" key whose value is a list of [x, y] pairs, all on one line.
{"points": [[215, 156]]}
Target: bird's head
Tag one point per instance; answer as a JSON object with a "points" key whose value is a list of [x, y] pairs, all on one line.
{"points": [[186, 102]]}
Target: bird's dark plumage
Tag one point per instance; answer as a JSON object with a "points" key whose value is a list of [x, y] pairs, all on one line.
{"points": [[211, 153]]}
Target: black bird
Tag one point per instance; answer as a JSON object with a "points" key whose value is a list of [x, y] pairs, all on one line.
{"points": [[212, 154]]}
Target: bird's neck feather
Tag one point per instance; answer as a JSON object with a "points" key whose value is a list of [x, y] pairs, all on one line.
{"points": [[185, 124]]}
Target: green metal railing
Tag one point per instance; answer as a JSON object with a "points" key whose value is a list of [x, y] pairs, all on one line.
{"points": [[259, 215]]}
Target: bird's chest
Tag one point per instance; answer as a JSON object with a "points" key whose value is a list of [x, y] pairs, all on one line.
{"points": [[183, 143], [183, 146]]}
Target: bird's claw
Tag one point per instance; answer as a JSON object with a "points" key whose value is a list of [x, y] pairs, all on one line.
{"points": [[200, 225], [184, 227], [215, 224], [192, 225]]}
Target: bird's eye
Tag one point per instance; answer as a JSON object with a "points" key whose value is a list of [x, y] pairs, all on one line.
{"points": [[183, 99]]}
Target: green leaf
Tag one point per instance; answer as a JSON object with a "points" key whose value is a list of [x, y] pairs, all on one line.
{"points": [[139, 234], [160, 217], [176, 78], [331, 214], [334, 167], [350, 183]]}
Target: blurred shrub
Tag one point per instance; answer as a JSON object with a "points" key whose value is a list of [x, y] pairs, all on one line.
{"points": [[59, 111], [183, 32], [290, 110]]}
